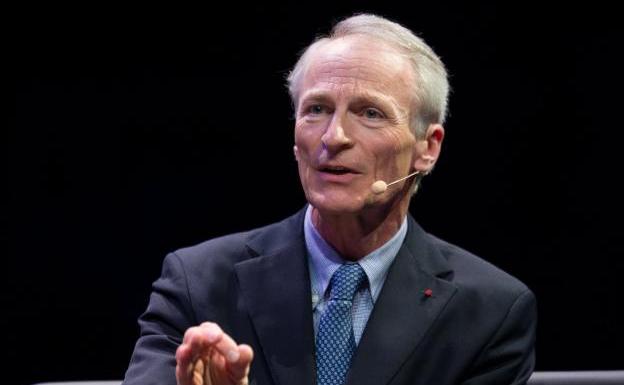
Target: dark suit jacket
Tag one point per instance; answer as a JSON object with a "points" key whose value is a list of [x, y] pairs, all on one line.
{"points": [[476, 327]]}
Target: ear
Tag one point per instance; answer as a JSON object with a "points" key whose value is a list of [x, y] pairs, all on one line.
{"points": [[296, 151], [427, 149]]}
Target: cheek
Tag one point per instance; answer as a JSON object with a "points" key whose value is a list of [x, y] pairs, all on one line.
{"points": [[387, 142], [391, 148], [306, 138], [299, 137]]}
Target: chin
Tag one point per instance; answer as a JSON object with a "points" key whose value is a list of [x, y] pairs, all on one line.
{"points": [[342, 202]]}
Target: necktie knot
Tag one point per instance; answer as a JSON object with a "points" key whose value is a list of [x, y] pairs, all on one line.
{"points": [[346, 281]]}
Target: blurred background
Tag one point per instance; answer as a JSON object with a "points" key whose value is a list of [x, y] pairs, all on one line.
{"points": [[140, 131]]}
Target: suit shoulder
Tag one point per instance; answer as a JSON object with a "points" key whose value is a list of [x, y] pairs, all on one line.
{"points": [[475, 273], [230, 245], [233, 248], [226, 248]]}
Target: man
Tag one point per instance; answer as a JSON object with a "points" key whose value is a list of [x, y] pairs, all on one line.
{"points": [[350, 289]]}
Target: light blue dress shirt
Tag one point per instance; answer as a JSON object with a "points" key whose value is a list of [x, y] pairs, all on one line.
{"points": [[323, 261]]}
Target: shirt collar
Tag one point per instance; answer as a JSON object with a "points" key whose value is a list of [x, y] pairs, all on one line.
{"points": [[324, 260]]}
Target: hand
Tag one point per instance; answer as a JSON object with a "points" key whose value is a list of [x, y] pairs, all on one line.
{"points": [[208, 356]]}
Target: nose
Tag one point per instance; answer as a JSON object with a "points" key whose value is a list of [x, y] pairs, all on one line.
{"points": [[335, 138]]}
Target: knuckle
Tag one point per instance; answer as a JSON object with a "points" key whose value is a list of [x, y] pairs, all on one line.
{"points": [[211, 326], [190, 332], [180, 352]]}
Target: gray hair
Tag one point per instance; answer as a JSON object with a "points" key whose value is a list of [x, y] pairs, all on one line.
{"points": [[431, 88]]}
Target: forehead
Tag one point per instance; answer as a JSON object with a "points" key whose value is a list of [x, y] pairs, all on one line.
{"points": [[358, 64]]}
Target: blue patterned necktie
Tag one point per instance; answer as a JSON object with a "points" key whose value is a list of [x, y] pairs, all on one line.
{"points": [[335, 343]]}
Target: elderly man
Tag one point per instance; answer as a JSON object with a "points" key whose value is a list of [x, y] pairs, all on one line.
{"points": [[350, 290]]}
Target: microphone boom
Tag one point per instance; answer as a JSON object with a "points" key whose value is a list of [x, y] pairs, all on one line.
{"points": [[380, 186]]}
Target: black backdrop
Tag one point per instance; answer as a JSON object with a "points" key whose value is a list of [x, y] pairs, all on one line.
{"points": [[139, 132]]}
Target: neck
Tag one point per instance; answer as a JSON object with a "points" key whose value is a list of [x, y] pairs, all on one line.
{"points": [[355, 235]]}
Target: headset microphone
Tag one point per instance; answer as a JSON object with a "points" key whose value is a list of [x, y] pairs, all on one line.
{"points": [[381, 186]]}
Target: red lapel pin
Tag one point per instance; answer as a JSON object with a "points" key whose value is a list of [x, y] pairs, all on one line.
{"points": [[428, 292]]}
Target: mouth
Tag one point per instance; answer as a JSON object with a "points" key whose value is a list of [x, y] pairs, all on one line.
{"points": [[336, 170]]}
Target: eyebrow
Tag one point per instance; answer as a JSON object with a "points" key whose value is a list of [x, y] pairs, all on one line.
{"points": [[315, 95]]}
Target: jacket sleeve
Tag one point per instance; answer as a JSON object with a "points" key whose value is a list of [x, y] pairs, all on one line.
{"points": [[162, 327], [509, 356]]}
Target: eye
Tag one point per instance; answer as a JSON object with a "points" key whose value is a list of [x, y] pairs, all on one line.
{"points": [[372, 113], [316, 109]]}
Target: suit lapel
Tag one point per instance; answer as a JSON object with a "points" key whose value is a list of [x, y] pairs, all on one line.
{"points": [[403, 312], [276, 288]]}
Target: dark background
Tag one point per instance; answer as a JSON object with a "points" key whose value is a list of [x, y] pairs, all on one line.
{"points": [[137, 132]]}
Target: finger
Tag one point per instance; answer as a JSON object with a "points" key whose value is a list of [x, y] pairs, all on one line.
{"points": [[199, 373], [228, 348], [208, 333], [184, 365], [209, 336], [217, 350], [239, 370], [202, 339], [184, 355]]}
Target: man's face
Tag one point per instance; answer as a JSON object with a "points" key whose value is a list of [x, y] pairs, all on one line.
{"points": [[352, 126]]}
